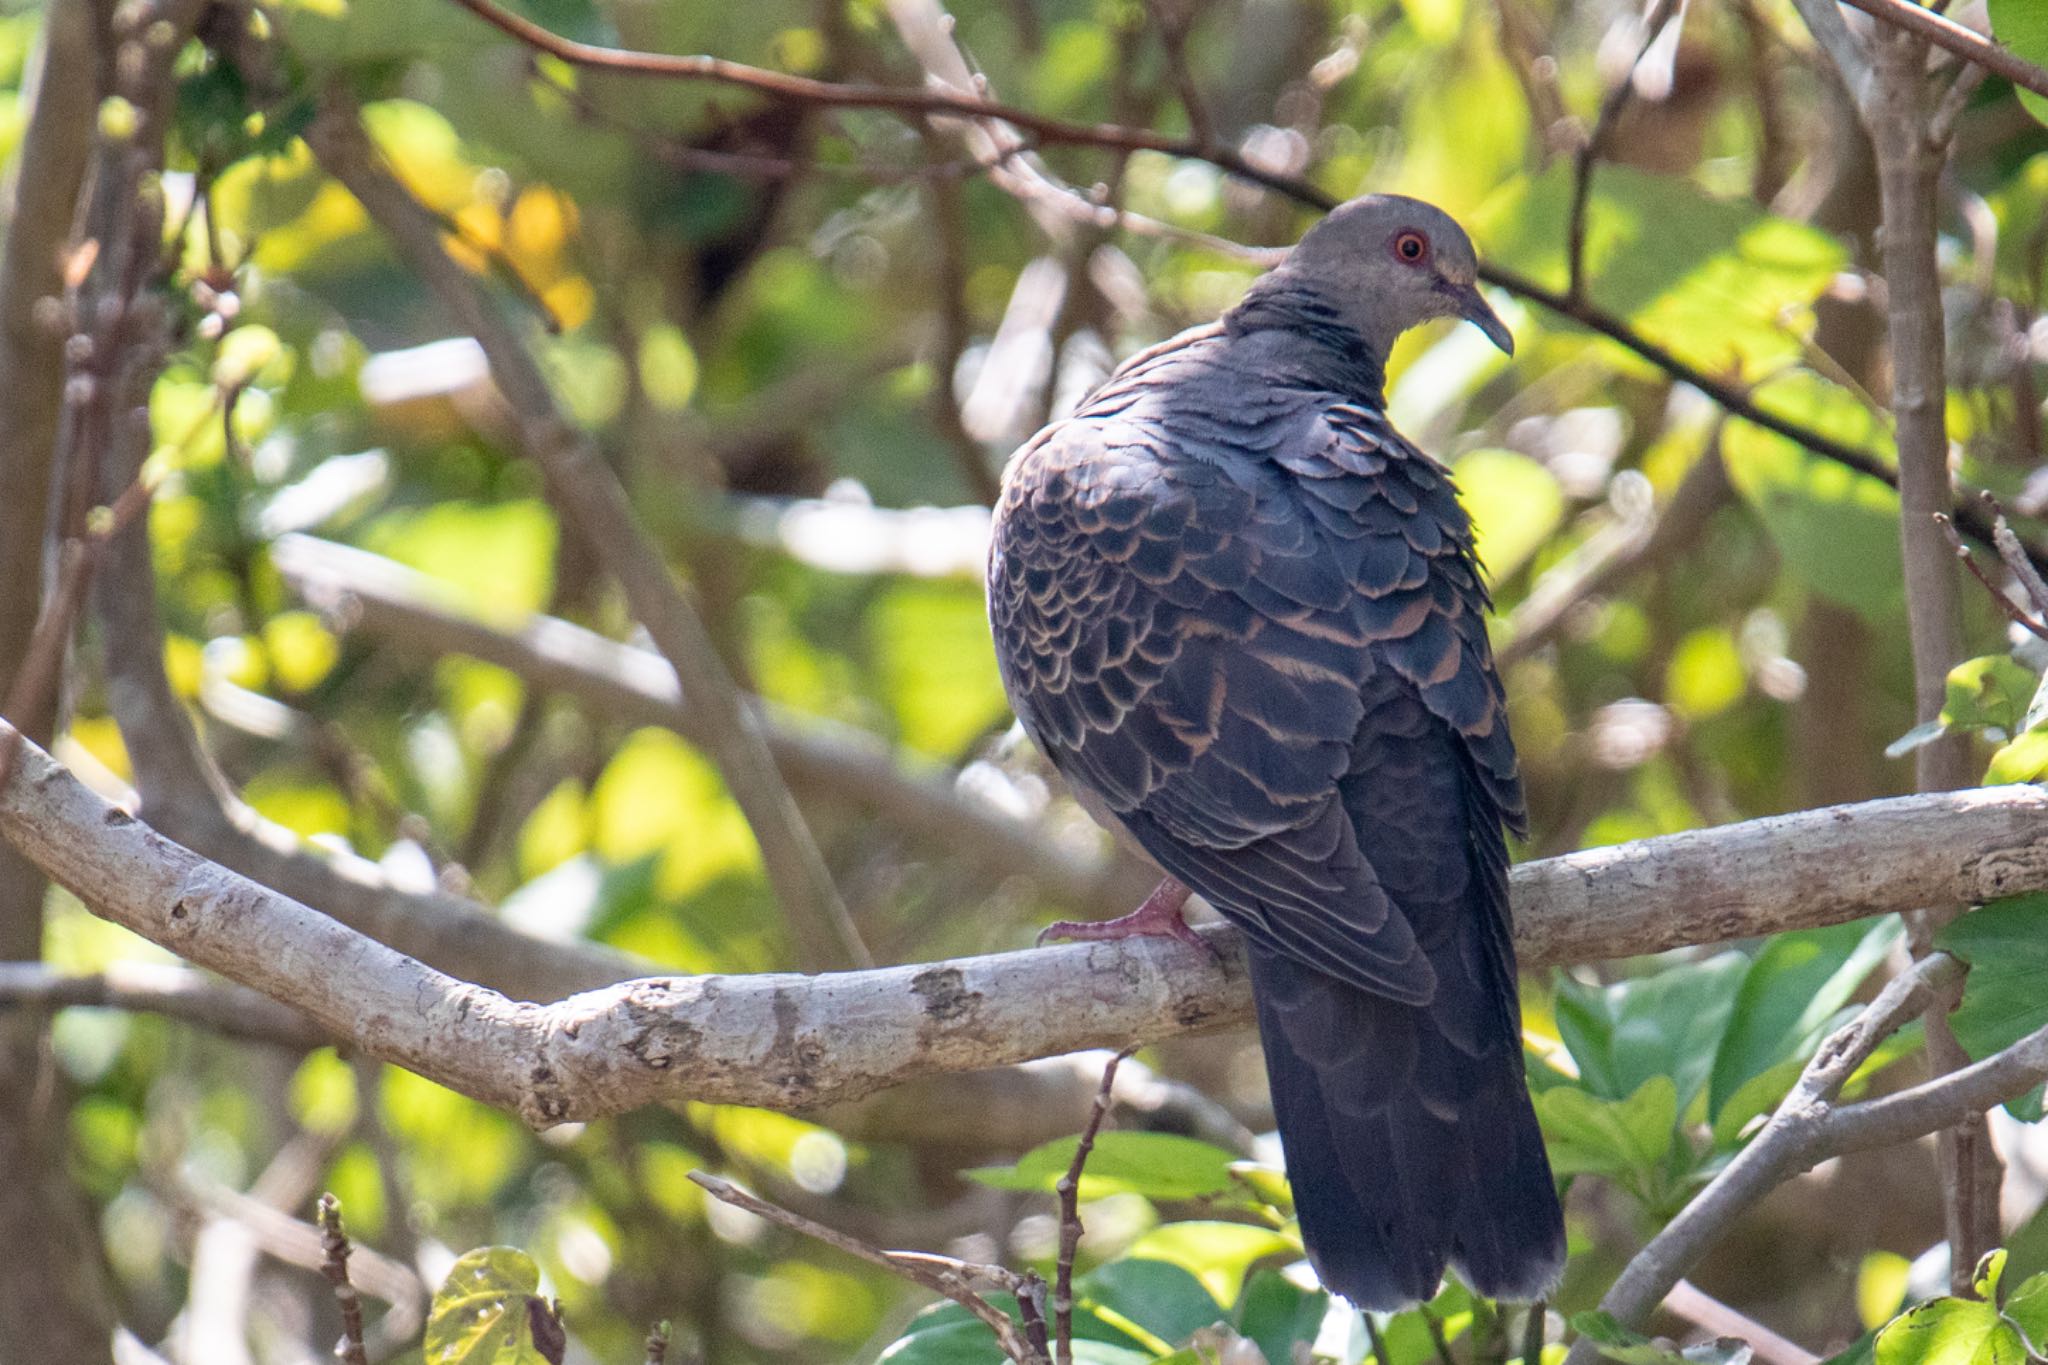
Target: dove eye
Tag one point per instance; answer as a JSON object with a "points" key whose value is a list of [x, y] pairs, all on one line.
{"points": [[1411, 247]]}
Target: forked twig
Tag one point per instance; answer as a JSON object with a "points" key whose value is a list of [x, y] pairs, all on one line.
{"points": [[964, 1282], [334, 1265], [1069, 1191], [1969, 561]]}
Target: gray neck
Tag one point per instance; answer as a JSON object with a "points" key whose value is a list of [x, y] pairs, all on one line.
{"points": [[1308, 340]]}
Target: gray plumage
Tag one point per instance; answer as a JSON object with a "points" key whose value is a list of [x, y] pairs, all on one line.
{"points": [[1243, 618]]}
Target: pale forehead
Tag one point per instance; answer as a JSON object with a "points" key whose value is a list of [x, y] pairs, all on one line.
{"points": [[1366, 225]]}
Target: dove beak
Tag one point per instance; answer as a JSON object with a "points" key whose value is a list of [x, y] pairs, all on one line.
{"points": [[1471, 305]]}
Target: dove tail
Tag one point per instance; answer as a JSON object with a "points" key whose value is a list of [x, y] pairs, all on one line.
{"points": [[1406, 1150]]}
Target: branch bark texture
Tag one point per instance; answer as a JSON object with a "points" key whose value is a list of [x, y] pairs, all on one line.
{"points": [[792, 1042]]}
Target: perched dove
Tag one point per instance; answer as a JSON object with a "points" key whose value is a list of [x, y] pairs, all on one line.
{"points": [[1243, 618]]}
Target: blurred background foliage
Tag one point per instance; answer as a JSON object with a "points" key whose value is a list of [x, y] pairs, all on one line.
{"points": [[806, 339]]}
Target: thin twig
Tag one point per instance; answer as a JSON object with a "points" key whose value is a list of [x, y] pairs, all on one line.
{"points": [[1969, 561], [1611, 104], [36, 681], [1535, 1331], [334, 1243], [1437, 1338], [2015, 556], [961, 1281], [1069, 1191], [1702, 1309], [1175, 18], [1951, 36], [1380, 1354]]}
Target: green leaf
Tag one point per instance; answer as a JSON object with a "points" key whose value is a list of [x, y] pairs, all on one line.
{"points": [[1217, 1254], [1759, 1095], [498, 559], [1951, 1332], [1788, 996], [2027, 1309], [1990, 1269], [1711, 278], [1862, 1351], [480, 1314], [1837, 529], [2006, 995], [1590, 1135], [958, 1341], [1267, 1184], [1165, 1300], [2022, 25], [1992, 693], [1666, 1024], [1156, 1165], [2025, 758], [1515, 503], [947, 1334], [1277, 1313]]}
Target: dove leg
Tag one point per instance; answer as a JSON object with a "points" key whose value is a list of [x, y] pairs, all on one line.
{"points": [[1160, 916]]}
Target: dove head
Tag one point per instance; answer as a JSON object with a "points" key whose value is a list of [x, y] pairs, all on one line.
{"points": [[1386, 263]]}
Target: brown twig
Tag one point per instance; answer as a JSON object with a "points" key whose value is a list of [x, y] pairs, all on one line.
{"points": [[36, 681], [1380, 1354], [1535, 1331], [1611, 104], [334, 1265], [1951, 36], [964, 1282], [1998, 597], [828, 94], [2016, 559], [1910, 159], [1437, 1339], [1702, 1309], [1174, 19], [1069, 1191]]}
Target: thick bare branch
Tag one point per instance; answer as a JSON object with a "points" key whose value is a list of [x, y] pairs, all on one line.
{"points": [[588, 492], [791, 1042]]}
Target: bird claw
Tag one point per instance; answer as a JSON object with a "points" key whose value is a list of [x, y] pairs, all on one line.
{"points": [[1159, 917]]}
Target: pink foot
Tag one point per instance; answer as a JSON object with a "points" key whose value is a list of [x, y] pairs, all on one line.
{"points": [[1160, 917]]}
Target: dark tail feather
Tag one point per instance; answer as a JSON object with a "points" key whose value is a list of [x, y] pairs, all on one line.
{"points": [[1406, 1151]]}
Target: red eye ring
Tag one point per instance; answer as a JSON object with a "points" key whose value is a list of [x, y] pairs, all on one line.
{"points": [[1411, 247]]}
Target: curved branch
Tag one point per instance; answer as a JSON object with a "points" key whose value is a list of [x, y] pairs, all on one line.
{"points": [[790, 1041]]}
